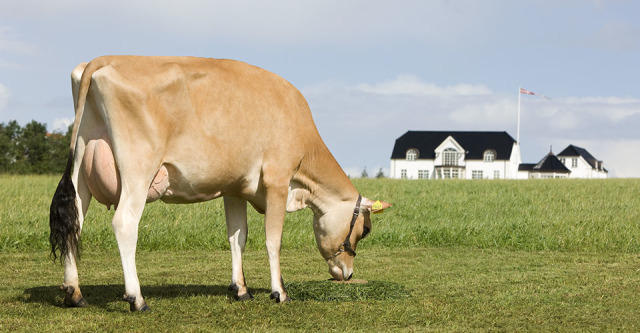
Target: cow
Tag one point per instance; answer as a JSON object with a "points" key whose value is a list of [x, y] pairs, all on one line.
{"points": [[186, 130]]}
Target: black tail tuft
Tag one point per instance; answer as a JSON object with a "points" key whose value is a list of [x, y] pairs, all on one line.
{"points": [[63, 218]]}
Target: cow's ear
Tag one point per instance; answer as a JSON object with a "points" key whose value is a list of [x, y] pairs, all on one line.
{"points": [[297, 199], [374, 206]]}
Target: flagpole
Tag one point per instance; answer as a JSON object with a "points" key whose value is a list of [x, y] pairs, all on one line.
{"points": [[518, 131]]}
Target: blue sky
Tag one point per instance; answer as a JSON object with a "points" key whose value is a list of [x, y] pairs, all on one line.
{"points": [[371, 70]]}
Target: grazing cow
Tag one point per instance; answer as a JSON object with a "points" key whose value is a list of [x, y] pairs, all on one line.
{"points": [[186, 130]]}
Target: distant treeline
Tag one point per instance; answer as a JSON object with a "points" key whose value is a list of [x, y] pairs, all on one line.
{"points": [[31, 149]]}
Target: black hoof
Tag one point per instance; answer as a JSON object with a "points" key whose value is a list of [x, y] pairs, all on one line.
{"points": [[132, 304], [71, 301], [246, 297], [276, 295]]}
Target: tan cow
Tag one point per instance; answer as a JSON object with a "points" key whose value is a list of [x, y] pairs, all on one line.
{"points": [[186, 130]]}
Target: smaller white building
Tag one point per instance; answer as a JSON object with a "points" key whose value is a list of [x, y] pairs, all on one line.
{"points": [[549, 167], [581, 163]]}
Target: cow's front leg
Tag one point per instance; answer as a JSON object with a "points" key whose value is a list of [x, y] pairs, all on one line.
{"points": [[274, 223], [236, 216], [125, 225]]}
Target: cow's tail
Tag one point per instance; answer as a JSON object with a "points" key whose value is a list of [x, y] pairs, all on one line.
{"points": [[63, 214], [63, 217]]}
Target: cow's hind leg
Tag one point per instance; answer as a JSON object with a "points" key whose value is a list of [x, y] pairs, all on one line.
{"points": [[71, 286], [125, 226], [236, 216]]}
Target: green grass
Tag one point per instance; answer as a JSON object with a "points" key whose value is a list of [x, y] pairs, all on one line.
{"points": [[563, 215], [549, 255], [449, 289]]}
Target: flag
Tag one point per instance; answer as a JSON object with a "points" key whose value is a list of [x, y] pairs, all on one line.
{"points": [[527, 92]]}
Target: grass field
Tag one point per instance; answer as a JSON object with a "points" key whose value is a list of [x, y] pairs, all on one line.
{"points": [[548, 255]]}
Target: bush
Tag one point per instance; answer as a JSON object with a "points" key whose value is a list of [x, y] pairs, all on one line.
{"points": [[31, 149]]}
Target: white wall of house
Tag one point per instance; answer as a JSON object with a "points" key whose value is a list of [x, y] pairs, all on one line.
{"points": [[514, 163], [547, 175], [580, 168], [401, 168], [466, 169], [473, 169]]}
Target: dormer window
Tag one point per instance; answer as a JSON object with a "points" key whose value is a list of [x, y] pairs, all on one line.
{"points": [[412, 154], [450, 157], [489, 155]]}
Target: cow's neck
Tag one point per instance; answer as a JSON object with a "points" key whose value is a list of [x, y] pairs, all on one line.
{"points": [[330, 190]]}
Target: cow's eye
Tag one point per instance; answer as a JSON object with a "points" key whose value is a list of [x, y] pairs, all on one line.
{"points": [[365, 232]]}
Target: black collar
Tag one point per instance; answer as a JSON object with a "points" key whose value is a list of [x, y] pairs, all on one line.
{"points": [[346, 245]]}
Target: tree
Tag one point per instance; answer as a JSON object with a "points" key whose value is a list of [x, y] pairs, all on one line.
{"points": [[380, 174], [31, 149], [364, 173], [9, 151], [59, 150], [35, 147]]}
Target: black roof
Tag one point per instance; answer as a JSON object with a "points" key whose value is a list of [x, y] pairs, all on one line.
{"points": [[475, 143], [549, 163], [526, 166], [572, 150]]}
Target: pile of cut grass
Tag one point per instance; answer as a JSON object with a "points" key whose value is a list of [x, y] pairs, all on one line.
{"points": [[324, 291]]}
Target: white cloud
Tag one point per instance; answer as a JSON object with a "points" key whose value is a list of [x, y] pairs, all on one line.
{"points": [[407, 84], [356, 172], [612, 108], [61, 124], [4, 97], [498, 109]]}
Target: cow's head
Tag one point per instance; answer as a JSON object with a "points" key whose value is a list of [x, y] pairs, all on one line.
{"points": [[339, 249], [332, 225]]}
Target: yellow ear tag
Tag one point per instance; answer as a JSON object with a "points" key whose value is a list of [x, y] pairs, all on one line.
{"points": [[376, 207]]}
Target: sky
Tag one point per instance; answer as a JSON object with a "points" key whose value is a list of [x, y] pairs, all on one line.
{"points": [[370, 70]]}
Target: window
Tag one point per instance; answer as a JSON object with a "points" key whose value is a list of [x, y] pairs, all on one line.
{"points": [[450, 157], [412, 154], [403, 173], [489, 156], [423, 174], [563, 160], [496, 174], [476, 174], [448, 173], [574, 162]]}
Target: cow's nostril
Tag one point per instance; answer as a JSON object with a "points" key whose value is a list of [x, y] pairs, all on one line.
{"points": [[350, 275]]}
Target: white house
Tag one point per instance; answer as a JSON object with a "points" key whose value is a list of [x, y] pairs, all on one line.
{"points": [[482, 155], [581, 163], [464, 155], [549, 167]]}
